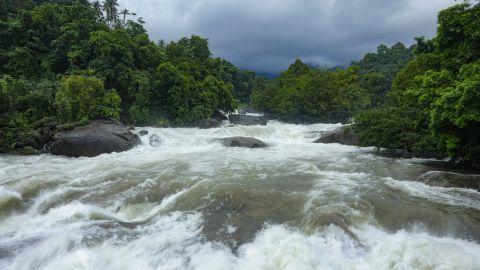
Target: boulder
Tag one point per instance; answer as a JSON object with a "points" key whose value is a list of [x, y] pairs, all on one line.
{"points": [[243, 142], [219, 115], [344, 135], [155, 140], [208, 123], [247, 120], [450, 179], [143, 133], [98, 137]]}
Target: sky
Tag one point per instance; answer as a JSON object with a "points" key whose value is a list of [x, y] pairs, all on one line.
{"points": [[268, 35]]}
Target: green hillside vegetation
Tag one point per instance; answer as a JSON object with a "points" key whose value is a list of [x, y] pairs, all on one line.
{"points": [[76, 61], [309, 94], [433, 106]]}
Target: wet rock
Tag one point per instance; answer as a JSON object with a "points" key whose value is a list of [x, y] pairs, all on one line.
{"points": [[155, 140], [247, 120], [243, 142], [208, 123], [98, 137], [344, 135], [219, 115], [450, 179], [143, 133]]}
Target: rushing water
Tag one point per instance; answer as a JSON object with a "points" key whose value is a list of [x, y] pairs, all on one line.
{"points": [[194, 204]]}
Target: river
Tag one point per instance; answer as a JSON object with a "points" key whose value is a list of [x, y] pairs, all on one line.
{"points": [[192, 203]]}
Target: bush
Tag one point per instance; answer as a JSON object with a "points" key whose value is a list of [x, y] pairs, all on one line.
{"points": [[83, 98]]}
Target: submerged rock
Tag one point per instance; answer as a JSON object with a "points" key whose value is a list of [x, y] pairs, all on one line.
{"points": [[155, 140], [344, 135], [243, 142], [248, 120], [143, 133], [450, 179], [99, 137]]}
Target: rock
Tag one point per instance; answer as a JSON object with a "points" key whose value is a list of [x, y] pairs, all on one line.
{"points": [[154, 140], [43, 134], [208, 123], [450, 179], [243, 142], [344, 135], [247, 120], [219, 115], [143, 133], [98, 137]]}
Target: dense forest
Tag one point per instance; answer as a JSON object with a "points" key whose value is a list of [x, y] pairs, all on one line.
{"points": [[424, 99], [310, 94], [73, 61]]}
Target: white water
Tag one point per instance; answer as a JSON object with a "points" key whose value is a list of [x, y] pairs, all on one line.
{"points": [[194, 204]]}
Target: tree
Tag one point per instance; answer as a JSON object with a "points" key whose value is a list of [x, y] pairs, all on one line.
{"points": [[111, 12], [83, 98], [97, 7], [125, 13]]}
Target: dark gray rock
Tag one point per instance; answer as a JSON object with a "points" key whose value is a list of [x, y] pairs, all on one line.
{"points": [[247, 120], [344, 135], [155, 140], [208, 123], [219, 115], [450, 179], [98, 137], [143, 133], [243, 142]]}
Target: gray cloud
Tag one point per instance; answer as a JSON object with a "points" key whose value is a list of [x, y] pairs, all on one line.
{"points": [[267, 35]]}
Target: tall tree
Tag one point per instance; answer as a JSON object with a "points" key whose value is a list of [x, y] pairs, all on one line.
{"points": [[98, 11], [111, 12], [125, 13]]}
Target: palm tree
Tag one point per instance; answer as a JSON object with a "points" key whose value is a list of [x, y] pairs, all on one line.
{"points": [[140, 20], [125, 12], [98, 10], [111, 12]]}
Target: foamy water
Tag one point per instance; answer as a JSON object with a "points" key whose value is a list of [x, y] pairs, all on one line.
{"points": [[194, 204]]}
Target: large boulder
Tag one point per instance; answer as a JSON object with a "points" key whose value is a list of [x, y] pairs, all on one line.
{"points": [[344, 135], [450, 179], [243, 142], [98, 137], [247, 120]]}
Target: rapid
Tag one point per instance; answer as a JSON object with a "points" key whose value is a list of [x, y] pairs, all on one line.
{"points": [[192, 203]]}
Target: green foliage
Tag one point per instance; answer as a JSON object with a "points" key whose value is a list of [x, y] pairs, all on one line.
{"points": [[71, 51], [83, 98], [434, 103], [377, 70], [307, 94], [22, 104]]}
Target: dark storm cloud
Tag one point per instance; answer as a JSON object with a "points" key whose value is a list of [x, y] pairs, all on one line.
{"points": [[267, 35]]}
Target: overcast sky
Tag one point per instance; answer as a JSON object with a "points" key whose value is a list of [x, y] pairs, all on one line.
{"points": [[267, 35]]}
